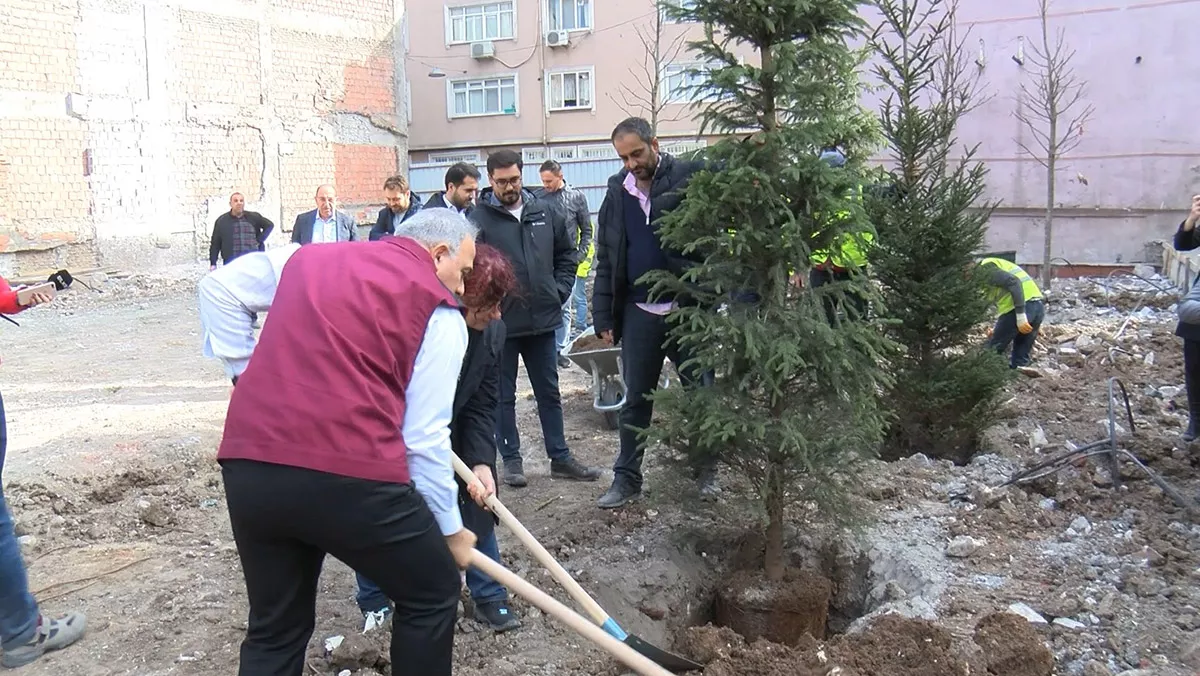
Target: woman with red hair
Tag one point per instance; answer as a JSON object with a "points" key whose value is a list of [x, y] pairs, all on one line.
{"points": [[472, 431]]}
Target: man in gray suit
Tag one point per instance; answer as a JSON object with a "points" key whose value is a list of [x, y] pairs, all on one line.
{"points": [[325, 223]]}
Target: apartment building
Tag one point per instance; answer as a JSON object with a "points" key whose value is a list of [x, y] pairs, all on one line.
{"points": [[551, 77]]}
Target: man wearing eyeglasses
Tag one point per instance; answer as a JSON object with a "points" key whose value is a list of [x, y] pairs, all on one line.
{"points": [[544, 256]]}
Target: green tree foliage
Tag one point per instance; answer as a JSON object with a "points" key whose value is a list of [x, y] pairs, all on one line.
{"points": [[796, 399], [931, 224]]}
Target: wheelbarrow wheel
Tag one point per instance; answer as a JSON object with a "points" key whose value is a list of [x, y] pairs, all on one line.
{"points": [[609, 395]]}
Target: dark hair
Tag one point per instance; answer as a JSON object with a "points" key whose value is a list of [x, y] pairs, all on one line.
{"points": [[396, 182], [503, 159], [552, 167], [457, 174], [491, 278], [634, 125]]}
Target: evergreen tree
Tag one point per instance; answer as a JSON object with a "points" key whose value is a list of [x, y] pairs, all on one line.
{"points": [[796, 399], [931, 225]]}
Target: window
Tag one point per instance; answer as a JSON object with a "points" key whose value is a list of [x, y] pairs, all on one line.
{"points": [[599, 151], [471, 156], [679, 82], [569, 15], [569, 90], [561, 153], [681, 4], [474, 23], [532, 155], [485, 96]]}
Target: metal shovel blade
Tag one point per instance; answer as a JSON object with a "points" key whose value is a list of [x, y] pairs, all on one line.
{"points": [[669, 661]]}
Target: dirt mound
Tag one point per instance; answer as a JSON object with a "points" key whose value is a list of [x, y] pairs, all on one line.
{"points": [[763, 658], [1011, 647], [782, 612], [589, 343], [898, 646]]}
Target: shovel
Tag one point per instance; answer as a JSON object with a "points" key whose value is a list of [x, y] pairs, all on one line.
{"points": [[631, 657], [669, 661]]}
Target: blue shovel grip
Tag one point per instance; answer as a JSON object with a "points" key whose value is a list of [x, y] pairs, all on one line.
{"points": [[610, 626]]}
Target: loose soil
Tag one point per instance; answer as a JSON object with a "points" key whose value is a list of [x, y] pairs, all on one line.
{"points": [[114, 420]]}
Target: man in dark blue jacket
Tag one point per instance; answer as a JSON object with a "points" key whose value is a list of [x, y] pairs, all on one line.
{"points": [[544, 257], [402, 203], [1187, 238], [627, 247]]}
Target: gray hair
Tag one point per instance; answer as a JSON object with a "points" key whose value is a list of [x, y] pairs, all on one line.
{"points": [[432, 227]]}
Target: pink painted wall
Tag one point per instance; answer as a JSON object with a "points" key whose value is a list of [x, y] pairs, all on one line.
{"points": [[1140, 153]]}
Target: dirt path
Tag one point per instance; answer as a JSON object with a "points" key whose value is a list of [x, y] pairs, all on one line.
{"points": [[114, 419]]}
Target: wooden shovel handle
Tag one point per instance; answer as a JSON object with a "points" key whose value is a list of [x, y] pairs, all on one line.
{"points": [[559, 573], [633, 659]]}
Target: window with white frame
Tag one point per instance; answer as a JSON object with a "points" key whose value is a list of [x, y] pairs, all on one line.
{"points": [[471, 156], [484, 96], [568, 15], [475, 23], [680, 82], [569, 90], [681, 4]]}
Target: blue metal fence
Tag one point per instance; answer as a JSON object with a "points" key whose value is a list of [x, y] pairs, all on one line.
{"points": [[587, 176]]}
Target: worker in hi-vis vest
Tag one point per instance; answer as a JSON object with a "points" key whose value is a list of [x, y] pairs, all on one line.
{"points": [[845, 256], [1019, 309]]}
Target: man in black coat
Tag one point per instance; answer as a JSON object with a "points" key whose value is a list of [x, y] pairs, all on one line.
{"points": [[402, 203], [544, 256], [237, 232], [627, 247], [1187, 238], [462, 184]]}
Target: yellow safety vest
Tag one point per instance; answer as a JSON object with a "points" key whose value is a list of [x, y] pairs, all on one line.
{"points": [[1004, 301], [585, 266], [849, 250]]}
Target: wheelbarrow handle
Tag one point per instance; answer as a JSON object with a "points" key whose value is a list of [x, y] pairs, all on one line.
{"points": [[544, 557], [547, 604]]}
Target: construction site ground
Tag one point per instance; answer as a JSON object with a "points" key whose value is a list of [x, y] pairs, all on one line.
{"points": [[115, 418]]}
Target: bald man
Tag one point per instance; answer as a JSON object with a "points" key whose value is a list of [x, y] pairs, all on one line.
{"points": [[325, 223]]}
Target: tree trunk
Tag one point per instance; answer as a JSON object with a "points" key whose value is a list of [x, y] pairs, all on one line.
{"points": [[1047, 272], [774, 557]]}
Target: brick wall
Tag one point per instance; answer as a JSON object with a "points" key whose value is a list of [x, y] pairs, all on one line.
{"points": [[126, 124]]}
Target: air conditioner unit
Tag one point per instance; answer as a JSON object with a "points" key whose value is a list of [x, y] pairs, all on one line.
{"points": [[483, 50], [557, 39]]}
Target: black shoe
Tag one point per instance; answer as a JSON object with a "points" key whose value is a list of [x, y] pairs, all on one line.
{"points": [[514, 474], [618, 495], [497, 615], [570, 468], [1189, 435], [563, 362]]}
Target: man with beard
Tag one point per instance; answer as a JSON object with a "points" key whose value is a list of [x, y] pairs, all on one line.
{"points": [[402, 204], [462, 183], [337, 441], [627, 247], [544, 256]]}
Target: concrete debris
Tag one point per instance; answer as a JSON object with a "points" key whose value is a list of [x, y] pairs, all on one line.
{"points": [[1069, 623], [1026, 612], [964, 546], [1038, 439]]}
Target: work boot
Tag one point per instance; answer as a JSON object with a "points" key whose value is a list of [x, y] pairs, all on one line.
{"points": [[514, 474], [563, 362], [618, 495], [1190, 434], [51, 634], [497, 615], [570, 468]]}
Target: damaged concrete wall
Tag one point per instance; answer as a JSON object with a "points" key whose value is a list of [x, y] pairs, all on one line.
{"points": [[126, 124]]}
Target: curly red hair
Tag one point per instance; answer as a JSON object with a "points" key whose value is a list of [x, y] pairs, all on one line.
{"points": [[491, 278]]}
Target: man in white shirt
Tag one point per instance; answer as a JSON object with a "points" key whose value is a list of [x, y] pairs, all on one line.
{"points": [[230, 298]]}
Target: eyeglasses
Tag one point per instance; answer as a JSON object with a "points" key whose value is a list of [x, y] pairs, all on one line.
{"points": [[507, 182]]}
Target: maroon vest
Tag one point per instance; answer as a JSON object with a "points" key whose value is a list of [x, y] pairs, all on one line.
{"points": [[326, 387]]}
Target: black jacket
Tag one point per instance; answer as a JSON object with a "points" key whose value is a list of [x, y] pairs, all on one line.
{"points": [[383, 223], [222, 235], [473, 428], [438, 201], [572, 207], [543, 256], [1188, 240], [611, 289]]}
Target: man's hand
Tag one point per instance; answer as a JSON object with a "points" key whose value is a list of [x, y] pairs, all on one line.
{"points": [[1023, 324], [485, 487], [461, 544], [606, 336], [1194, 215]]}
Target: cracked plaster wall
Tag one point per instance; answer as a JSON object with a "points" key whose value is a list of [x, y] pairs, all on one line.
{"points": [[126, 124]]}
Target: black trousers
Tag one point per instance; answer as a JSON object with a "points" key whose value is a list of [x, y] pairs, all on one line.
{"points": [[285, 520], [1191, 375]]}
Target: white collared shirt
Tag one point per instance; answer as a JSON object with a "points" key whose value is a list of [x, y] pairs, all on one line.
{"points": [[325, 230]]}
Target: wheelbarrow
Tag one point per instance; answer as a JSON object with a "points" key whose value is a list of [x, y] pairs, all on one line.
{"points": [[608, 376]]}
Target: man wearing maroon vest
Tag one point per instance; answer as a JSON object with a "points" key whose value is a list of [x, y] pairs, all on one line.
{"points": [[340, 418]]}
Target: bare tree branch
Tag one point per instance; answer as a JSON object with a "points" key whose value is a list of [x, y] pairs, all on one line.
{"points": [[1047, 110], [644, 95]]}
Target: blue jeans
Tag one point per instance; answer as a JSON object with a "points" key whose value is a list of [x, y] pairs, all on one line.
{"points": [[541, 363], [483, 588], [578, 301], [1005, 333], [18, 610]]}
